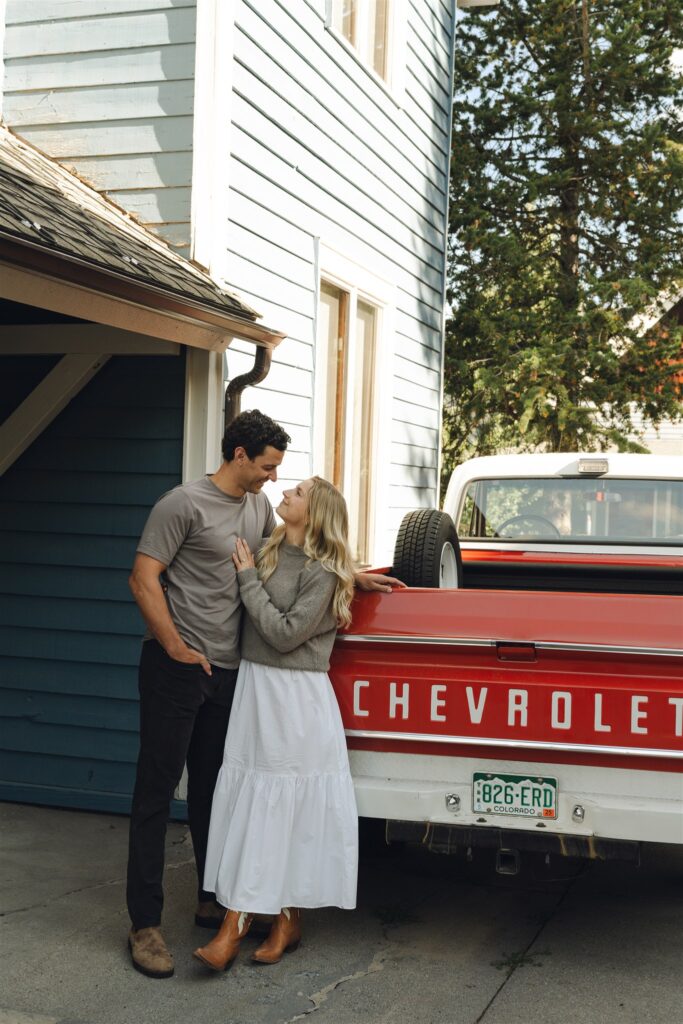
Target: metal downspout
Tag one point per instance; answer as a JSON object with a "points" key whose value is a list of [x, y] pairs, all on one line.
{"points": [[233, 393]]}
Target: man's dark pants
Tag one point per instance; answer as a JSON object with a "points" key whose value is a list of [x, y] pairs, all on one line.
{"points": [[183, 718]]}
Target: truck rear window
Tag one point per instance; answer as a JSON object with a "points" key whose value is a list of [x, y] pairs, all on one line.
{"points": [[573, 510]]}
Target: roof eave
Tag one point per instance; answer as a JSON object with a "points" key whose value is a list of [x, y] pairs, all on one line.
{"points": [[79, 273]]}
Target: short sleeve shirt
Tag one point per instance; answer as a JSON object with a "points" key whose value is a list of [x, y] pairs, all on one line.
{"points": [[192, 530]]}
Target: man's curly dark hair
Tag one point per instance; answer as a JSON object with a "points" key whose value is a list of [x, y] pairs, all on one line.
{"points": [[253, 431]]}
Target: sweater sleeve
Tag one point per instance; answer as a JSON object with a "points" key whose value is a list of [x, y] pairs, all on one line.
{"points": [[287, 630]]}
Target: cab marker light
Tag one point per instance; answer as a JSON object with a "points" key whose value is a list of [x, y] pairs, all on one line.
{"points": [[593, 467]]}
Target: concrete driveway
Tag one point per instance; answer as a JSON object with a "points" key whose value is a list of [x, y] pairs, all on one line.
{"points": [[435, 939]]}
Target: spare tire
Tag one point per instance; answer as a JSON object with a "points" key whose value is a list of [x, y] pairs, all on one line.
{"points": [[427, 553]]}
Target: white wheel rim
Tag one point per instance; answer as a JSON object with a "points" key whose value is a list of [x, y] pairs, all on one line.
{"points": [[448, 568]]}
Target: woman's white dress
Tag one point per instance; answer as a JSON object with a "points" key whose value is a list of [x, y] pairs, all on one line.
{"points": [[284, 824]]}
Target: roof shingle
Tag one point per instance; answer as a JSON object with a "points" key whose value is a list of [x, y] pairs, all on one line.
{"points": [[44, 205]]}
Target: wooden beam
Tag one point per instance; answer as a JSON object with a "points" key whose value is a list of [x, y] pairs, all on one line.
{"points": [[133, 306], [61, 339], [44, 403], [45, 292]]}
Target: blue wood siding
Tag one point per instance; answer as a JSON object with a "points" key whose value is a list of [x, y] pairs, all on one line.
{"points": [[72, 508], [107, 87]]}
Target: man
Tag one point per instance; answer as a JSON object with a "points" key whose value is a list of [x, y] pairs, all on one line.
{"points": [[184, 583]]}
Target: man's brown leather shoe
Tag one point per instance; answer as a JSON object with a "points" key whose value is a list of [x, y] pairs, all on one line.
{"points": [[209, 915], [149, 952], [285, 936], [222, 950]]}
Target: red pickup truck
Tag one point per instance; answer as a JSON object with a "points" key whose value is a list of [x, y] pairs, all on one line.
{"points": [[525, 692]]}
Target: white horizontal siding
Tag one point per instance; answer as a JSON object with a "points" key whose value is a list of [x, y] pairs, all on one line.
{"points": [[290, 410], [269, 285], [414, 434], [320, 150], [417, 352], [153, 171], [408, 176], [303, 178], [413, 414], [71, 143], [410, 455], [319, 66], [666, 439], [158, 25], [172, 62], [265, 222], [67, 106], [431, 33], [416, 373], [107, 88], [402, 475], [21, 12], [262, 251]]}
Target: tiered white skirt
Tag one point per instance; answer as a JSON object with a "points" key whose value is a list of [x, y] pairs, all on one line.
{"points": [[284, 824]]}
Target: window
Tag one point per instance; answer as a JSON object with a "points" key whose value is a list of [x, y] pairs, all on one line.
{"points": [[365, 26], [348, 328], [353, 395], [573, 510]]}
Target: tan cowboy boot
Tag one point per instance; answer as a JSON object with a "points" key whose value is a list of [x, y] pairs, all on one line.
{"points": [[285, 936], [222, 950]]}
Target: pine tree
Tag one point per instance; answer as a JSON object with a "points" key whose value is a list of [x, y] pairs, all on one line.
{"points": [[566, 188]]}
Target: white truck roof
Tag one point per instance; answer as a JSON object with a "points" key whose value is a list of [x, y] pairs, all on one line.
{"points": [[623, 465]]}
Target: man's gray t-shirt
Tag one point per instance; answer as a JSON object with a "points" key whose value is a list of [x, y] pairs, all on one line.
{"points": [[192, 530]]}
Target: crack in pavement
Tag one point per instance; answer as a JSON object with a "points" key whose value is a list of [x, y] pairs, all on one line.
{"points": [[378, 961], [519, 960], [375, 966], [85, 888], [318, 998]]}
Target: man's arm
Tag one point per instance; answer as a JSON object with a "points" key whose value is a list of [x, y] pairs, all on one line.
{"points": [[377, 581], [145, 585]]}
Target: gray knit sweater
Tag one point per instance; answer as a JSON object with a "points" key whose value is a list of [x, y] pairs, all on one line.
{"points": [[289, 621]]}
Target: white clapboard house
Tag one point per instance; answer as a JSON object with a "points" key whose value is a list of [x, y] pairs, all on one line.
{"points": [[191, 191]]}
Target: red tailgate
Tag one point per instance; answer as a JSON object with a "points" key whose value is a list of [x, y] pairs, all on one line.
{"points": [[593, 678]]}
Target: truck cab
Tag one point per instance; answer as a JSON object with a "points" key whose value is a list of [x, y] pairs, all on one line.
{"points": [[559, 521]]}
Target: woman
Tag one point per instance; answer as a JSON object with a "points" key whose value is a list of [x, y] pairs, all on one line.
{"points": [[284, 825]]}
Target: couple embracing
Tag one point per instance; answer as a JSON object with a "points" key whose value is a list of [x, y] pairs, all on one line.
{"points": [[241, 617]]}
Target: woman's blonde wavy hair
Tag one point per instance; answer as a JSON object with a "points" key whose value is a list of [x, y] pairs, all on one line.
{"points": [[325, 540]]}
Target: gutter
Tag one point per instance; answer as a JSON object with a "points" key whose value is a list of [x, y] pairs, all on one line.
{"points": [[81, 273]]}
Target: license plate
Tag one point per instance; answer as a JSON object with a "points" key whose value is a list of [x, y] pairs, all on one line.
{"points": [[520, 796]]}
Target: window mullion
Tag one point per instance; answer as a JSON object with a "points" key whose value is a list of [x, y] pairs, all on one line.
{"points": [[349, 397], [364, 32]]}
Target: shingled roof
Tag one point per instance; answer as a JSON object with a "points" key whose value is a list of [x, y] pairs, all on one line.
{"points": [[46, 210]]}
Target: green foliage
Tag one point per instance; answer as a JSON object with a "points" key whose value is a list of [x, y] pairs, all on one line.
{"points": [[566, 187]]}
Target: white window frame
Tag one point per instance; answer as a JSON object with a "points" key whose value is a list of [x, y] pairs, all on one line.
{"points": [[396, 43], [348, 275]]}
